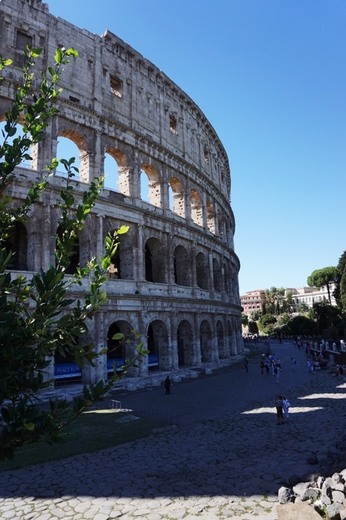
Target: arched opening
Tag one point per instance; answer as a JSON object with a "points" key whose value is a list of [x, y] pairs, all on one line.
{"points": [[176, 197], [116, 171], [182, 266], [17, 243], [154, 261], [121, 348], [116, 346], [217, 275], [68, 149], [185, 344], [226, 278], [202, 271], [221, 346], [110, 173], [196, 207], [150, 187], [157, 342], [205, 336], [145, 189], [122, 262]]}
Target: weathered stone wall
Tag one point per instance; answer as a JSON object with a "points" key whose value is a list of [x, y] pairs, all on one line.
{"points": [[175, 279]]}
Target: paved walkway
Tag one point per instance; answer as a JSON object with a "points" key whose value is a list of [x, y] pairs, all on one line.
{"points": [[224, 456]]}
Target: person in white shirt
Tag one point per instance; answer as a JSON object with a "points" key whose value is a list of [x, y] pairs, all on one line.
{"points": [[286, 406]]}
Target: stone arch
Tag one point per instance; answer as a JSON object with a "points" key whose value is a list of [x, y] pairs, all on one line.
{"points": [[17, 243], [182, 266], [157, 344], [196, 207], [221, 344], [202, 269], [205, 337], [154, 184], [154, 261], [185, 344], [217, 275], [120, 179], [178, 196], [82, 161], [122, 263], [119, 350]]}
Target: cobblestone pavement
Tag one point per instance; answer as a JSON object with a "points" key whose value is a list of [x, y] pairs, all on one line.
{"points": [[219, 461]]}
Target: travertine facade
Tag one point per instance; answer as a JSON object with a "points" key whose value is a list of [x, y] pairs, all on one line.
{"points": [[175, 279]]}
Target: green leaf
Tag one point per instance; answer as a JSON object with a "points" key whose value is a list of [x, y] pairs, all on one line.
{"points": [[123, 229], [118, 336], [29, 426], [58, 56]]}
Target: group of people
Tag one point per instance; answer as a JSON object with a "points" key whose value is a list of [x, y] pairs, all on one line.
{"points": [[282, 409], [269, 362]]}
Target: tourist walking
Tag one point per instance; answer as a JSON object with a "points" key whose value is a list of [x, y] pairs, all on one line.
{"points": [[286, 406], [168, 385], [279, 410], [246, 365]]}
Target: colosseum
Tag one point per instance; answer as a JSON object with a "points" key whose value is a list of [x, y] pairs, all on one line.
{"points": [[174, 279]]}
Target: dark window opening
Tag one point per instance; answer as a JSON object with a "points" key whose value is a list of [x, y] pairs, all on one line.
{"points": [[22, 41], [148, 265], [173, 124], [116, 86]]}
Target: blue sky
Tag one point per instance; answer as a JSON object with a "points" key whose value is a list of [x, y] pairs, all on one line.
{"points": [[270, 75]]}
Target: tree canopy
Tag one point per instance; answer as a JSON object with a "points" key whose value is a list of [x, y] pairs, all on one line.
{"points": [[324, 277]]}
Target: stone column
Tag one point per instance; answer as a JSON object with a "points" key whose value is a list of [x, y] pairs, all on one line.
{"points": [[173, 343], [214, 342], [48, 237], [143, 367], [100, 240], [43, 152], [211, 274], [187, 203], [197, 356], [95, 161], [193, 266], [138, 255], [204, 211], [99, 371]]}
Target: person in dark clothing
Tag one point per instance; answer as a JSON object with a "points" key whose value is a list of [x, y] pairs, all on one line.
{"points": [[168, 385], [246, 364], [280, 410]]}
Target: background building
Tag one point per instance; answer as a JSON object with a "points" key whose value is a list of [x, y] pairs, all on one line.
{"points": [[253, 301], [175, 277], [310, 295]]}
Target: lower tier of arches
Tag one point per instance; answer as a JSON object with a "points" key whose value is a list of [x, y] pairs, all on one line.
{"points": [[171, 341]]}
